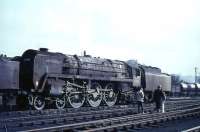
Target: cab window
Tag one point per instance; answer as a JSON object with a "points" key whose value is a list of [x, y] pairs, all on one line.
{"points": [[137, 71]]}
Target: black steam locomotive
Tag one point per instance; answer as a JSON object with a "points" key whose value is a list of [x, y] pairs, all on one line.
{"points": [[39, 77]]}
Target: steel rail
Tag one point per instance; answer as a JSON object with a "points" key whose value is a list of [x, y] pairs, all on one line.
{"points": [[194, 129]]}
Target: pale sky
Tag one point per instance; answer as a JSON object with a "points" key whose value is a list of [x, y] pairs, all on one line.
{"points": [[161, 33]]}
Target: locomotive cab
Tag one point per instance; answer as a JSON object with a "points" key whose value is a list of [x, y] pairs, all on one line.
{"points": [[136, 77], [136, 73]]}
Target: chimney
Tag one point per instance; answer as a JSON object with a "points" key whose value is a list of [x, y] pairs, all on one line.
{"points": [[43, 49], [84, 53]]}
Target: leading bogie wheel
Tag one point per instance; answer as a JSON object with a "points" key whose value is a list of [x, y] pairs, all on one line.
{"points": [[30, 99], [60, 102], [39, 103]]}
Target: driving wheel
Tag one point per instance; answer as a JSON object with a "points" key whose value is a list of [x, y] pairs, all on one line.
{"points": [[110, 95], [76, 98], [94, 95]]}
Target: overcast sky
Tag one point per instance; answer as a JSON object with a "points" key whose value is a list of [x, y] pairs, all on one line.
{"points": [[162, 33]]}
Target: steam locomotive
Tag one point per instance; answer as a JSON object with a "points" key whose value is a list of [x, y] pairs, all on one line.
{"points": [[39, 77]]}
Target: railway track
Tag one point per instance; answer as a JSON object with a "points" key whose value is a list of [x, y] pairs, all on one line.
{"points": [[124, 123], [45, 120], [70, 110], [74, 112]]}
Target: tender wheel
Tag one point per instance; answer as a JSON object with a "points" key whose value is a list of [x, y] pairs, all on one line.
{"points": [[94, 95], [39, 103], [60, 102], [76, 98], [110, 95]]}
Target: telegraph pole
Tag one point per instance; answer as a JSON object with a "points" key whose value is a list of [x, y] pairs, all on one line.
{"points": [[195, 74]]}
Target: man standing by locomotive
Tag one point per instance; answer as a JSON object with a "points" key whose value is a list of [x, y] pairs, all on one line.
{"points": [[140, 100], [159, 98]]}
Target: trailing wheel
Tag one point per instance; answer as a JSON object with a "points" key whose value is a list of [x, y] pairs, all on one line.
{"points": [[60, 102], [94, 95], [39, 103], [110, 95], [76, 98]]}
